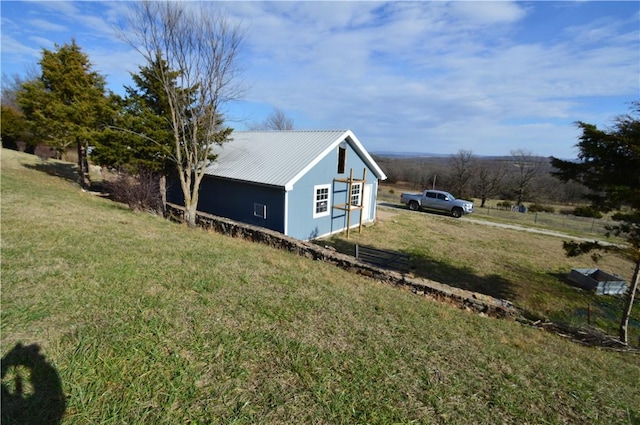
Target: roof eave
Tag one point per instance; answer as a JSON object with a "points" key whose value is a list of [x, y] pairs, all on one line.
{"points": [[358, 148], [367, 158], [251, 182]]}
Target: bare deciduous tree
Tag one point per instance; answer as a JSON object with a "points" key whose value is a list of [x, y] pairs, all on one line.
{"points": [[11, 85], [461, 172], [198, 41], [528, 167], [277, 120], [488, 179]]}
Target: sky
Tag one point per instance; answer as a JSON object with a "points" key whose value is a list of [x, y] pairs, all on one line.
{"points": [[431, 77]]}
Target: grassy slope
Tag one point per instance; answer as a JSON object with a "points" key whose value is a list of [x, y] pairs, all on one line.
{"points": [[150, 322], [528, 269]]}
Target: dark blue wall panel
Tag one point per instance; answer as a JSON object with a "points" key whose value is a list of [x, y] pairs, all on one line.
{"points": [[237, 201]]}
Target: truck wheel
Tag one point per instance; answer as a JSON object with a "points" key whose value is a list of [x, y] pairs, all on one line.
{"points": [[413, 206], [456, 212]]}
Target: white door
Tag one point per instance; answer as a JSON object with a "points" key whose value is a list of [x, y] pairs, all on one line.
{"points": [[366, 202]]}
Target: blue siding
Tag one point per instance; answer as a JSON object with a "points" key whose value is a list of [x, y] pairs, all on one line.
{"points": [[236, 200], [301, 223]]}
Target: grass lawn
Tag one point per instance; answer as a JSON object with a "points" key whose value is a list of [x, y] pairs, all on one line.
{"points": [[528, 269], [566, 223], [140, 320]]}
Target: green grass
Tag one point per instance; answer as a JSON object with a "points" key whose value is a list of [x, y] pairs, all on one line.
{"points": [[569, 224], [147, 321], [526, 268]]}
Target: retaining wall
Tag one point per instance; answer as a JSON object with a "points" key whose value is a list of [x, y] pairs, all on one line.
{"points": [[468, 300]]}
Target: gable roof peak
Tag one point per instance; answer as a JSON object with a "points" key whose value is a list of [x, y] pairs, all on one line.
{"points": [[280, 157]]}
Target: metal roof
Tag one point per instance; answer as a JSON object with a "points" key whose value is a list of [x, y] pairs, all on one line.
{"points": [[280, 158]]}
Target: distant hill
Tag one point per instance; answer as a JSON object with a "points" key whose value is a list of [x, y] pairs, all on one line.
{"points": [[409, 155], [389, 154]]}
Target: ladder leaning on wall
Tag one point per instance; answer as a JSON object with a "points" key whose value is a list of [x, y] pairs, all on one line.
{"points": [[348, 206]]}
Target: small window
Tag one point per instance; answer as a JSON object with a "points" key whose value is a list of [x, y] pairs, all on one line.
{"points": [[260, 210], [356, 194], [321, 200], [431, 195], [342, 159], [442, 197]]}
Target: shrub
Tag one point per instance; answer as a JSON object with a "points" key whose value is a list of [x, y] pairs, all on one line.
{"points": [[587, 211], [541, 208], [506, 205], [141, 192]]}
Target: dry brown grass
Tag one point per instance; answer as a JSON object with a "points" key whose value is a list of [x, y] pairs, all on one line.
{"points": [[529, 269], [146, 321]]}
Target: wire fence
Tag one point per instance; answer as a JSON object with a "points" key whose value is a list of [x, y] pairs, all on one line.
{"points": [[596, 226], [567, 222]]}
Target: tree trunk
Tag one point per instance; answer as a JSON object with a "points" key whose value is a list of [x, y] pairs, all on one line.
{"points": [[83, 166], [520, 196], [162, 184], [631, 293], [190, 214]]}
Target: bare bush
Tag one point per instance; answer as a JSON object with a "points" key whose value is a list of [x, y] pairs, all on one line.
{"points": [[141, 191]]}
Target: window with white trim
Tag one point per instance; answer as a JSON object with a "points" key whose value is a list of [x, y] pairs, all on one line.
{"points": [[356, 194], [260, 210], [321, 200]]}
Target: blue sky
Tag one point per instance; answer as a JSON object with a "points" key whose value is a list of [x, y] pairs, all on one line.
{"points": [[436, 77]]}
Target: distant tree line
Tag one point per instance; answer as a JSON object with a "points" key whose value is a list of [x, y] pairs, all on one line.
{"points": [[518, 177], [605, 176]]}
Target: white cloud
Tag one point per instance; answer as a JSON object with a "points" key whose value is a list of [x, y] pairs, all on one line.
{"points": [[432, 76], [12, 47], [488, 12], [58, 7], [116, 65], [44, 25], [444, 69]]}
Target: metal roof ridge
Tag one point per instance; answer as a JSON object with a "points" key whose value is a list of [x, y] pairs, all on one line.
{"points": [[337, 130]]}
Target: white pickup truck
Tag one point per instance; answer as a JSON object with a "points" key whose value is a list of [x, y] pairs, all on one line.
{"points": [[437, 200]]}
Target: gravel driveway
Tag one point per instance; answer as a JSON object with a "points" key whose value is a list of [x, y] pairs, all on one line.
{"points": [[390, 206]]}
